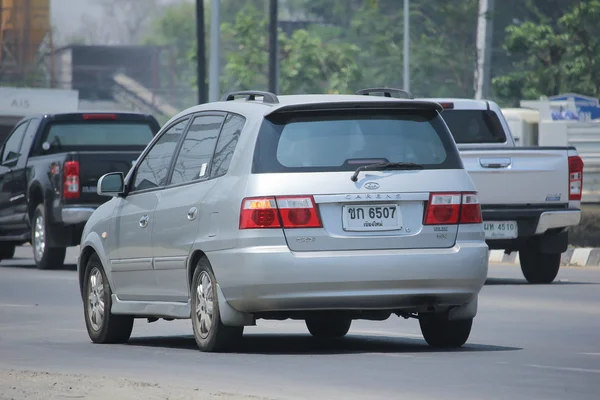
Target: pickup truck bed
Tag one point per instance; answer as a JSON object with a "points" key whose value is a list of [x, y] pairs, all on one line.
{"points": [[529, 196]]}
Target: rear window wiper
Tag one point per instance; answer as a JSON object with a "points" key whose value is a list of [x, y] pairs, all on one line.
{"points": [[384, 166]]}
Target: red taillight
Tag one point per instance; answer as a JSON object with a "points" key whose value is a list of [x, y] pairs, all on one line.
{"points": [[575, 177], [71, 180], [285, 211], [452, 208], [470, 209], [99, 116], [447, 106], [298, 212]]}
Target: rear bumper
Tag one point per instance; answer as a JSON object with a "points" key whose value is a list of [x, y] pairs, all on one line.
{"points": [[538, 223], [557, 219], [268, 279], [75, 215]]}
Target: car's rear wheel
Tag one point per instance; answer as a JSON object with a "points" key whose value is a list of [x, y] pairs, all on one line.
{"points": [[537, 267], [101, 324], [7, 251], [45, 257], [328, 327], [440, 332], [210, 333]]}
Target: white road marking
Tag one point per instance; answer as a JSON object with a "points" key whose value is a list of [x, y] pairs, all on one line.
{"points": [[594, 371], [591, 354], [18, 305]]}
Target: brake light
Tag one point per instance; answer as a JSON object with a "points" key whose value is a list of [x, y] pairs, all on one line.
{"points": [[470, 209], [99, 116], [299, 212], [71, 180], [278, 212], [575, 177], [443, 209], [447, 106], [452, 208]]}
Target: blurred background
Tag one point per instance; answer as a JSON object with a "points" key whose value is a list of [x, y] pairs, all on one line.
{"points": [[539, 59]]}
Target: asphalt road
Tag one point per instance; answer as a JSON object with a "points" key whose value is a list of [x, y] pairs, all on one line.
{"points": [[528, 342]]}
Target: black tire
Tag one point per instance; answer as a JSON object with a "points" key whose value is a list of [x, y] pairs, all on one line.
{"points": [[440, 332], [7, 251], [113, 328], [332, 327], [50, 257], [539, 268], [217, 337]]}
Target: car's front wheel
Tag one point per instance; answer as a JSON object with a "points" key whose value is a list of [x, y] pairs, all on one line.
{"points": [[332, 327], [441, 332], [101, 324], [210, 333]]}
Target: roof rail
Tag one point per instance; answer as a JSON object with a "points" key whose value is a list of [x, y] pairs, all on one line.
{"points": [[387, 92], [268, 97]]}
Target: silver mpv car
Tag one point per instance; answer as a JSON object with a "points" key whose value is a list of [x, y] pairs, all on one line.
{"points": [[324, 208]]}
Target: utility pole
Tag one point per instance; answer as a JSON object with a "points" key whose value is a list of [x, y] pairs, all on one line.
{"points": [[484, 49], [406, 79], [200, 52], [215, 51], [273, 48]]}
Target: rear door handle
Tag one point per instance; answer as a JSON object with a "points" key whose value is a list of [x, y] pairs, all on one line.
{"points": [[144, 221], [495, 162]]}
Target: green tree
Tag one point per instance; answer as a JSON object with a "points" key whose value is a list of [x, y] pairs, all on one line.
{"points": [[175, 31], [307, 63], [443, 49], [554, 51]]}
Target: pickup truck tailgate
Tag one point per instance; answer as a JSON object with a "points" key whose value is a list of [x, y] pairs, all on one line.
{"points": [[94, 164], [519, 176]]}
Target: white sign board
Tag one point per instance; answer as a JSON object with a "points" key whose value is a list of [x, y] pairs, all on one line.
{"points": [[25, 101]]}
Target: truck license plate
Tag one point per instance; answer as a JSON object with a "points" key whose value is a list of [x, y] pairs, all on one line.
{"points": [[380, 217], [501, 229]]}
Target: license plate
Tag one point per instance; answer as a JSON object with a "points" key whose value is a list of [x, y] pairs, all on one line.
{"points": [[381, 217], [501, 229]]}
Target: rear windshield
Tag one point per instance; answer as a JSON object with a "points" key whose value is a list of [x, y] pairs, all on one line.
{"points": [[342, 141], [474, 126], [94, 134]]}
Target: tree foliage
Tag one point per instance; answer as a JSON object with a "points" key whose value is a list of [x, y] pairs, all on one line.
{"points": [[540, 47], [553, 53], [307, 63]]}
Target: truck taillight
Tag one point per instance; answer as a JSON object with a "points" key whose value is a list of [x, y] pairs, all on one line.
{"points": [[452, 208], [278, 212], [71, 180], [575, 177]]}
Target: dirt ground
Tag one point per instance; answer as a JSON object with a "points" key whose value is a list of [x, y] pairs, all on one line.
{"points": [[30, 385]]}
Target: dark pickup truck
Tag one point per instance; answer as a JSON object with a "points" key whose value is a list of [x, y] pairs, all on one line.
{"points": [[49, 167]]}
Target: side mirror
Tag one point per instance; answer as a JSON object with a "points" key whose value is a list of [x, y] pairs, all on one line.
{"points": [[111, 184]]}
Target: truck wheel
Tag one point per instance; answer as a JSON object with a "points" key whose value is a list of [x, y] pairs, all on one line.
{"points": [[7, 251], [210, 333], [539, 267], [333, 327], [45, 257], [101, 324], [439, 331]]}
